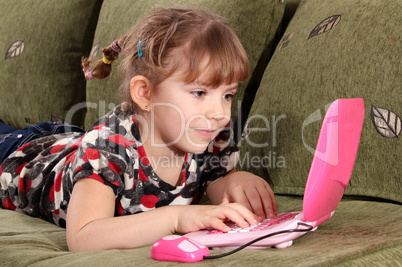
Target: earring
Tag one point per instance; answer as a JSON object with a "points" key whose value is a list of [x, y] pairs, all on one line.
{"points": [[146, 108]]}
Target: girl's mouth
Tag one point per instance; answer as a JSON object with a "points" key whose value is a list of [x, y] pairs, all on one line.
{"points": [[205, 132]]}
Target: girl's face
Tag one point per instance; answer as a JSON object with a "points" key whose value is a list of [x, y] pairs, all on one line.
{"points": [[186, 117]]}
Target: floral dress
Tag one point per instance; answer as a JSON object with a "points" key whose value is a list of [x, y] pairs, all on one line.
{"points": [[38, 178]]}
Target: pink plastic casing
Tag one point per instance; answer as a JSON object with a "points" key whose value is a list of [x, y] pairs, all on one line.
{"points": [[235, 240], [329, 175], [178, 248], [334, 158]]}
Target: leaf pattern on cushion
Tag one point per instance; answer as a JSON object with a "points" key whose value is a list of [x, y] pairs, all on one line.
{"points": [[95, 50], [387, 123], [325, 25], [15, 49]]}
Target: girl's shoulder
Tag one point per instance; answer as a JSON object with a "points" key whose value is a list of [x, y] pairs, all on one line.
{"points": [[117, 120], [117, 127]]}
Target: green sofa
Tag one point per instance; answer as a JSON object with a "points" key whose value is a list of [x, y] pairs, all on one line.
{"points": [[304, 54]]}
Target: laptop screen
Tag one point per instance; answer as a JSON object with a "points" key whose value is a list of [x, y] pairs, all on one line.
{"points": [[334, 158]]}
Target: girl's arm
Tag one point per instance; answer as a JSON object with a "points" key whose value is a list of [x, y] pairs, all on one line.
{"points": [[91, 224], [246, 189]]}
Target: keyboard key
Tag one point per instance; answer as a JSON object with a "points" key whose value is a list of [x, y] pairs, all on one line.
{"points": [[234, 228]]}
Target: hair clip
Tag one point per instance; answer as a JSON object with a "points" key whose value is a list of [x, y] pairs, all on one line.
{"points": [[139, 50], [107, 61], [115, 46], [88, 74]]}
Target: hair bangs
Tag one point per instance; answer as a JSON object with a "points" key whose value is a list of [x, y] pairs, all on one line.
{"points": [[215, 57]]}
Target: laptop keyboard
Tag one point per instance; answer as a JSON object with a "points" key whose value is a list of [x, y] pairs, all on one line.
{"points": [[282, 217]]}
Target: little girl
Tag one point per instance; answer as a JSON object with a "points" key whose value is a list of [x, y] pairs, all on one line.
{"points": [[153, 155]]}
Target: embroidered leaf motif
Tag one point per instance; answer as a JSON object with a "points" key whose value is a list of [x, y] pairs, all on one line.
{"points": [[285, 40], [15, 49], [386, 122], [95, 50], [325, 25]]}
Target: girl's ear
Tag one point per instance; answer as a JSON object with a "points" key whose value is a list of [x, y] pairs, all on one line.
{"points": [[140, 91]]}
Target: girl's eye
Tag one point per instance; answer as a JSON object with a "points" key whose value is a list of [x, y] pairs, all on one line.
{"points": [[198, 93], [228, 97]]}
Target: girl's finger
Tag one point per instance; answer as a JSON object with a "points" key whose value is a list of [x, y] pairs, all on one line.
{"points": [[242, 199], [219, 225], [272, 203], [225, 200], [254, 198], [269, 208], [240, 215]]}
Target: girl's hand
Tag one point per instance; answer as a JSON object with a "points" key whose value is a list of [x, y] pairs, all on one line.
{"points": [[92, 207], [197, 217], [246, 189]]}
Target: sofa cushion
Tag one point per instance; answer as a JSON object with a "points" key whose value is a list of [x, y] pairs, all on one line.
{"points": [[354, 236], [290, 9], [255, 23], [42, 44], [330, 50]]}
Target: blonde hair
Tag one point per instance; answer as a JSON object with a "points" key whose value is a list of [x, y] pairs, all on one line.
{"points": [[173, 36]]}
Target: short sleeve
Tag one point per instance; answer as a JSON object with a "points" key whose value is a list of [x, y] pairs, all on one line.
{"points": [[102, 157]]}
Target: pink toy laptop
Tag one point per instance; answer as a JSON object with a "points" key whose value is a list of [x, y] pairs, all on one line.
{"points": [[329, 175]]}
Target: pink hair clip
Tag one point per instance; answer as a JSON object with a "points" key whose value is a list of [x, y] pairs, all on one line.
{"points": [[115, 47], [88, 74]]}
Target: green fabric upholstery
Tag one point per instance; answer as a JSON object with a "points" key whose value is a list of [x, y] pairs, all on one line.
{"points": [[355, 53], [359, 57], [256, 34], [290, 10], [40, 69], [354, 235]]}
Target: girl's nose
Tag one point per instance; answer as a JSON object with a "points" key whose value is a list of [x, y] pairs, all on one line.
{"points": [[217, 111], [220, 116]]}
